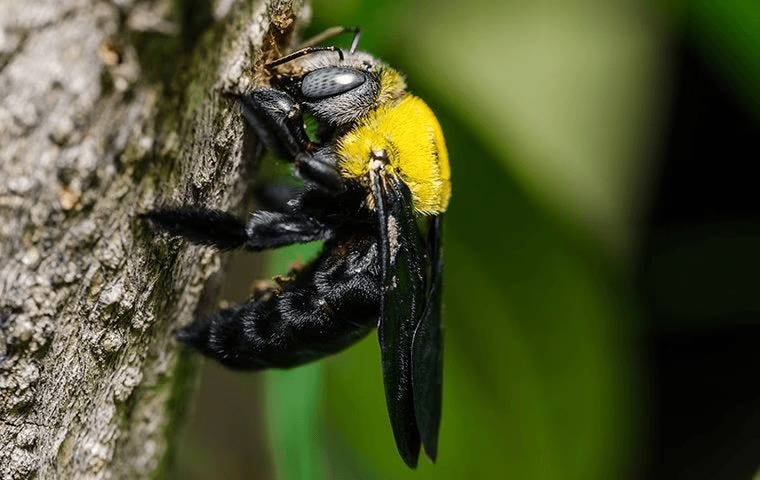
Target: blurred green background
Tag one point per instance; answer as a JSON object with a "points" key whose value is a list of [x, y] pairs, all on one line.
{"points": [[558, 117]]}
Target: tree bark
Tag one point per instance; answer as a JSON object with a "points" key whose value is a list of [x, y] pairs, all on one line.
{"points": [[106, 110]]}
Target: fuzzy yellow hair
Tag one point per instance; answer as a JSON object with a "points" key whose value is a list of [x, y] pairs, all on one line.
{"points": [[407, 130]]}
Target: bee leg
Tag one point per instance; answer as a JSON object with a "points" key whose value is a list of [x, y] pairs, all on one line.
{"points": [[224, 231], [204, 226], [277, 120], [321, 168], [267, 229]]}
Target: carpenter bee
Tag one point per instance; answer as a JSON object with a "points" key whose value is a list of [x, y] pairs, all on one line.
{"points": [[377, 182]]}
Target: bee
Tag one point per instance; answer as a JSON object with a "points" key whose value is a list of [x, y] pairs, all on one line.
{"points": [[376, 185]]}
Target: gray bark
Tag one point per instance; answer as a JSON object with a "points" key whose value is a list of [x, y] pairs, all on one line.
{"points": [[108, 109]]}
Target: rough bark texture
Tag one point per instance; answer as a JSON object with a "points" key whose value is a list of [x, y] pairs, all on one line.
{"points": [[107, 109]]}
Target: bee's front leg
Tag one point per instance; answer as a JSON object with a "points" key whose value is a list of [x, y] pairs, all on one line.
{"points": [[277, 120]]}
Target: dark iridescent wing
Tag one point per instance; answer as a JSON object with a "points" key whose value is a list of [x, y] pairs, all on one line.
{"points": [[427, 349], [409, 333]]}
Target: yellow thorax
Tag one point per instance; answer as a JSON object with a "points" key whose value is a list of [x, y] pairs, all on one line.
{"points": [[412, 138]]}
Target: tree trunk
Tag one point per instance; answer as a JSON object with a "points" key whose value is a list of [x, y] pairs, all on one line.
{"points": [[107, 110]]}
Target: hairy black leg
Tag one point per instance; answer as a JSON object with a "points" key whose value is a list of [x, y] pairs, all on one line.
{"points": [[277, 120], [224, 231], [204, 226], [276, 229], [331, 304], [321, 167]]}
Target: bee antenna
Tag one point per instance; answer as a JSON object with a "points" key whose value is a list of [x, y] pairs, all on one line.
{"points": [[357, 31], [334, 32], [303, 52], [308, 47]]}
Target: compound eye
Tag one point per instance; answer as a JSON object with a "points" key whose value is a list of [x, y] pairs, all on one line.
{"points": [[330, 81]]}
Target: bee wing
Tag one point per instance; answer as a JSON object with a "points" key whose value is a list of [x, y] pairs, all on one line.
{"points": [[427, 349], [403, 273]]}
